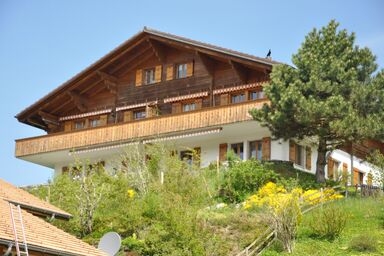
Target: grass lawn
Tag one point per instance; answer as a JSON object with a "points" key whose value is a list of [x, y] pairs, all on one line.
{"points": [[366, 218]]}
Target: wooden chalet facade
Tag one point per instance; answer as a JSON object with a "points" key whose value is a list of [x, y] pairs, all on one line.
{"points": [[158, 86]]}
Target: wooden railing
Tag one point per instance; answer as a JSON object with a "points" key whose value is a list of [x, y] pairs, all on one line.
{"points": [[155, 126]]}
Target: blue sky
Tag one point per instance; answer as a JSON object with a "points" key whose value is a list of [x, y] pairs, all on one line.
{"points": [[43, 43]]}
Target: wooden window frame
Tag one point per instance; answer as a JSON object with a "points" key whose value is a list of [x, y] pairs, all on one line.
{"points": [[153, 81], [185, 103], [83, 121], [300, 155], [258, 143], [141, 110], [91, 120], [185, 71], [239, 94], [258, 92], [239, 145]]}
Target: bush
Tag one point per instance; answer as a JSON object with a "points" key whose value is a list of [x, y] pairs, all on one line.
{"points": [[329, 221], [291, 177], [244, 178], [364, 243]]}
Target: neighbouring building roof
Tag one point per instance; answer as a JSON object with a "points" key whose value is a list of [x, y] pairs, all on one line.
{"points": [[42, 236], [10, 193]]}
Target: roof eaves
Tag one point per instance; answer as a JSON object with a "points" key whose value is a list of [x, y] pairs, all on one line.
{"points": [[40, 210], [78, 75], [210, 47], [42, 249]]}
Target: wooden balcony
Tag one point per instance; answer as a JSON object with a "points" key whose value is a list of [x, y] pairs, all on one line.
{"points": [[150, 127]]}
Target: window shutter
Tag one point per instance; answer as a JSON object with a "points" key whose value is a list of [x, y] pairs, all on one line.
{"points": [[370, 179], [158, 74], [189, 69], [169, 72], [308, 159], [67, 126], [224, 99], [266, 148], [139, 77], [292, 151], [355, 176], [128, 116], [197, 156], [86, 123], [330, 168], [199, 103], [151, 111], [103, 119], [345, 172], [223, 151], [176, 108]]}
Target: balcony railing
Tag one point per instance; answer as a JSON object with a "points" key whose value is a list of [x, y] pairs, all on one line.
{"points": [[155, 126]]}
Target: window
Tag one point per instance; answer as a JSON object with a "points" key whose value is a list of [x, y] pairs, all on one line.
{"points": [[238, 149], [237, 98], [139, 114], [255, 95], [191, 156], [79, 124], [255, 150], [181, 70], [186, 156], [94, 122], [189, 107], [149, 76], [299, 155]]}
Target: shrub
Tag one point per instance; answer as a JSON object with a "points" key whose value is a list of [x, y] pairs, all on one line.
{"points": [[364, 243], [244, 178], [283, 212], [329, 221]]}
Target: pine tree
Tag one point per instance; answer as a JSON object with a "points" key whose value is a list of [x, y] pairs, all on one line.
{"points": [[332, 94]]}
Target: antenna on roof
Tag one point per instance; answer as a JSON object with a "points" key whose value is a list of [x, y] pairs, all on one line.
{"points": [[269, 54], [110, 243]]}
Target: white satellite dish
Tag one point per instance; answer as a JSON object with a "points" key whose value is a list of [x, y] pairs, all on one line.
{"points": [[110, 243]]}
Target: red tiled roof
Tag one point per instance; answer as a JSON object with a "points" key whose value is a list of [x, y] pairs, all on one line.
{"points": [[10, 193], [42, 236]]}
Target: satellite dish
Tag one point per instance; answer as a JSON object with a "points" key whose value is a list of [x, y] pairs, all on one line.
{"points": [[110, 243]]}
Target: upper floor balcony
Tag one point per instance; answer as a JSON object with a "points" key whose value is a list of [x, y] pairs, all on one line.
{"points": [[152, 127]]}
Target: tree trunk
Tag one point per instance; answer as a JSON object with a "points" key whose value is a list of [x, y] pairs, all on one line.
{"points": [[321, 161]]}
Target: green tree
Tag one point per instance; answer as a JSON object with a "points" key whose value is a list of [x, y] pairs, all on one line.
{"points": [[332, 94]]}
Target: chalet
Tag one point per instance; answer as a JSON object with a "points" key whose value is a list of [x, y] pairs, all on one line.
{"points": [[161, 87]]}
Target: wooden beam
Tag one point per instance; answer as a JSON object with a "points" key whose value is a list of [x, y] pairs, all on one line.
{"points": [[37, 124], [48, 118], [106, 76], [129, 60], [80, 101], [60, 106], [136, 63], [254, 64], [240, 70], [110, 82], [157, 49], [207, 62]]}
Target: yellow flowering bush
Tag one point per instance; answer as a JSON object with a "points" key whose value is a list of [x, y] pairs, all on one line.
{"points": [[284, 208], [313, 196], [130, 193], [272, 194]]}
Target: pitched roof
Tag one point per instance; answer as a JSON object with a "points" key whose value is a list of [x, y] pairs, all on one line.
{"points": [[10, 193], [210, 46], [42, 236], [115, 52]]}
